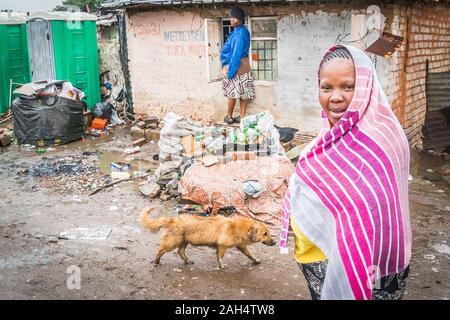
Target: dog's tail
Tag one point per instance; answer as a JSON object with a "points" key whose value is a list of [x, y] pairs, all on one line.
{"points": [[152, 224]]}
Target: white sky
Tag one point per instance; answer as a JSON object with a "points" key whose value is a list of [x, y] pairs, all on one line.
{"points": [[29, 5]]}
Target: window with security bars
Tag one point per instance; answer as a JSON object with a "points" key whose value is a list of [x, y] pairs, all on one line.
{"points": [[226, 30], [263, 32]]}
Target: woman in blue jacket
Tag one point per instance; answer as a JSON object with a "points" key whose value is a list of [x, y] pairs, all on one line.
{"points": [[238, 81]]}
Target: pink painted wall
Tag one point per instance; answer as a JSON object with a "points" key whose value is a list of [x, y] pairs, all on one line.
{"points": [[168, 67]]}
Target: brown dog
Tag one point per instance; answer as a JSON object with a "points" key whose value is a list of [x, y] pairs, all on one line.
{"points": [[217, 231]]}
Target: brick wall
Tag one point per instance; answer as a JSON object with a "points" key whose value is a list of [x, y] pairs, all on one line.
{"points": [[426, 28]]}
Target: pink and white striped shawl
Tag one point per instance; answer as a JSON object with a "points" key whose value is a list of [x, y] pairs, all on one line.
{"points": [[349, 194]]}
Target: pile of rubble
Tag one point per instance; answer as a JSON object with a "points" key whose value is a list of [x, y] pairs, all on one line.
{"points": [[144, 130], [75, 174], [172, 161], [186, 146]]}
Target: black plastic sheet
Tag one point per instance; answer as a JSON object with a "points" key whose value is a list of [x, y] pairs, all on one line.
{"points": [[286, 134], [47, 118], [102, 110]]}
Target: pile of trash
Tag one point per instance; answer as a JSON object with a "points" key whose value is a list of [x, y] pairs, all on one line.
{"points": [[256, 133], [183, 141], [104, 118], [222, 169], [49, 111], [75, 174], [51, 88]]}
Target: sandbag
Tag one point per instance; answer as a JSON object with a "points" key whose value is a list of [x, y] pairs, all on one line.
{"points": [[221, 185], [286, 134]]}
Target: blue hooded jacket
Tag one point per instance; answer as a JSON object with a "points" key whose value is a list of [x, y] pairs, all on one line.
{"points": [[235, 48]]}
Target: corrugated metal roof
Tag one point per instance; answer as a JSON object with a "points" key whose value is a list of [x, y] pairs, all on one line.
{"points": [[436, 128], [131, 3], [62, 15], [12, 17], [438, 91]]}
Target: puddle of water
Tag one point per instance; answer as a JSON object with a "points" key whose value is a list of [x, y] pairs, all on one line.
{"points": [[422, 161], [137, 164]]}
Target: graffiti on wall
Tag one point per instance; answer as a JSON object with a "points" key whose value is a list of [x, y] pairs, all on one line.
{"points": [[185, 49], [184, 43], [147, 28], [175, 43], [184, 35]]}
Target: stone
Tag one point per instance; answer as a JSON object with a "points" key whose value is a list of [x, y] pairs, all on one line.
{"points": [[432, 176], [132, 150], [137, 133], [152, 119], [141, 124], [139, 142], [151, 190], [152, 135], [152, 126], [118, 175], [5, 140]]}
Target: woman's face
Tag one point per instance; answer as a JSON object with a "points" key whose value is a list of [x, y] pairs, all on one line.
{"points": [[235, 22], [337, 85]]}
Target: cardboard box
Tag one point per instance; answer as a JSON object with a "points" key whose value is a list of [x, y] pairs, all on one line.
{"points": [[190, 146]]}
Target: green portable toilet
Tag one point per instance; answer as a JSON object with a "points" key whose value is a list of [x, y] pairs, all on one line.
{"points": [[14, 61], [63, 46]]}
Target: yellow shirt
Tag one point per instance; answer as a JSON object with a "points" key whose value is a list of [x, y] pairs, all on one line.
{"points": [[305, 251]]}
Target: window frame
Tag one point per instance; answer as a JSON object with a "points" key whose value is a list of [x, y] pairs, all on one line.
{"points": [[206, 20], [221, 29], [263, 82]]}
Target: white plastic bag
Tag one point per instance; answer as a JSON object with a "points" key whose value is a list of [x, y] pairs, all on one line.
{"points": [[172, 124], [265, 122], [252, 135]]}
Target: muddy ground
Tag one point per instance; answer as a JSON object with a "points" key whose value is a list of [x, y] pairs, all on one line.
{"points": [[36, 264]]}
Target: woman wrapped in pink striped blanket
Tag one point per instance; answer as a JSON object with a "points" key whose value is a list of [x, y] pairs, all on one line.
{"points": [[347, 201]]}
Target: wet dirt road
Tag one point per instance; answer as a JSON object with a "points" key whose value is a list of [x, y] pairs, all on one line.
{"points": [[35, 264]]}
